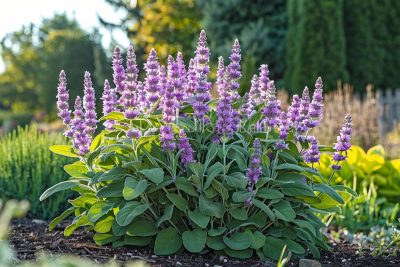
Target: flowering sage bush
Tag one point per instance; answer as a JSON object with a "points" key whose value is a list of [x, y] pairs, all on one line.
{"points": [[175, 169]]}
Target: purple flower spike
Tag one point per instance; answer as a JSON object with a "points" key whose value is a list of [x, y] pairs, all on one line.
{"points": [[152, 77], [133, 133], [167, 138], [312, 153], [225, 122], [81, 140], [264, 81], [119, 72], [163, 80], [62, 99], [254, 171], [176, 81], [233, 70], [294, 110], [302, 120], [272, 109], [185, 147], [284, 126], [316, 108], [256, 97], [89, 103], [142, 97], [343, 142], [110, 102], [128, 98], [181, 94], [202, 92], [191, 78], [246, 108]]}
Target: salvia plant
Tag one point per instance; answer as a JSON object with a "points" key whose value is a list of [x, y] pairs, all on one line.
{"points": [[175, 169]]}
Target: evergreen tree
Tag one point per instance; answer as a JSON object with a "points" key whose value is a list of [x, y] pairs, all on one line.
{"points": [[259, 25], [316, 44], [392, 58]]}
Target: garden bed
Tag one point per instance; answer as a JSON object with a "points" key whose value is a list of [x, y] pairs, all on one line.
{"points": [[30, 237]]}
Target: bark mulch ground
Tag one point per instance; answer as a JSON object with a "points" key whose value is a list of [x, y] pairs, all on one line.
{"points": [[28, 238]]}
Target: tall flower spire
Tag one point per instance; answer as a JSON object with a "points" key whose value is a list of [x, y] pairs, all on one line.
{"points": [[110, 102], [62, 102], [176, 80], [233, 70], [272, 109], [152, 77], [180, 77], [316, 108], [191, 78], [264, 81], [119, 71], [185, 147], [254, 171], [129, 95], [294, 110], [202, 92], [255, 92], [81, 139], [169, 102], [343, 144], [303, 110], [312, 153], [89, 103]]}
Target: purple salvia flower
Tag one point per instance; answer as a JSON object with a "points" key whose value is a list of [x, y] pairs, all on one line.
{"points": [[142, 97], [316, 108], [167, 138], [110, 102], [89, 103], [343, 144], [224, 126], [254, 171], [133, 133], [246, 108], [118, 69], [169, 104], [151, 86], [233, 70], [256, 97], [163, 80], [284, 126], [62, 103], [202, 91], [180, 93], [294, 110], [81, 140], [272, 109], [185, 147], [176, 82], [312, 153], [129, 95], [281, 145], [191, 78], [264, 81], [302, 120]]}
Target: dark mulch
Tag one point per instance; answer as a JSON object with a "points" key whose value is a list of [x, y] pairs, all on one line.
{"points": [[28, 238]]}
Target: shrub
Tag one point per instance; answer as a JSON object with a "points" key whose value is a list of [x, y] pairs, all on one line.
{"points": [[175, 170], [27, 167]]}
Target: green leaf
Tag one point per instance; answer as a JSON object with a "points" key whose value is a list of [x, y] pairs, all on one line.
{"points": [[58, 187], [104, 226], [258, 240], [220, 189], [116, 173], [169, 209], [210, 208], [289, 166], [215, 243], [65, 150], [129, 212], [103, 239], [168, 241], [239, 213], [137, 241], [240, 254], [198, 218], [61, 217], [113, 115], [186, 186], [197, 169], [237, 180], [217, 232], [178, 201], [111, 190], [194, 241], [269, 193], [99, 209], [330, 191], [294, 247], [241, 196], [77, 170], [262, 206], [156, 175], [213, 171], [273, 247], [238, 240], [285, 211], [133, 189], [96, 142], [142, 228]]}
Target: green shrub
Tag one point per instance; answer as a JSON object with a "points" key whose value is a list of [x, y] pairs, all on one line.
{"points": [[27, 167]]}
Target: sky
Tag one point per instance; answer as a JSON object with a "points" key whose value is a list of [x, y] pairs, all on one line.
{"points": [[14, 14]]}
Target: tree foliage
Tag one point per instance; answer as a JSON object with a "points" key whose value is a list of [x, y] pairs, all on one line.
{"points": [[316, 44], [34, 56]]}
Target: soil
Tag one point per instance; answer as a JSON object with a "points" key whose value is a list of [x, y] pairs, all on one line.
{"points": [[31, 237]]}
